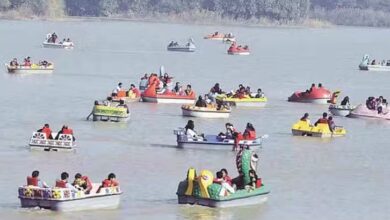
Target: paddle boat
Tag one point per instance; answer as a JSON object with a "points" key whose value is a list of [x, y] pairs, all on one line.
{"points": [[213, 141], [201, 190], [361, 111], [316, 95], [246, 101], [63, 199], [151, 95], [110, 113], [39, 141], [210, 111], [374, 65], [341, 110], [188, 47], [222, 37], [33, 69], [238, 50], [60, 45], [303, 128], [127, 96]]}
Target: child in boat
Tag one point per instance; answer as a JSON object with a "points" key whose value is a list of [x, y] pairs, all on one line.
{"points": [[190, 132], [82, 183], [254, 181], [34, 180], [109, 182], [226, 176], [226, 188]]}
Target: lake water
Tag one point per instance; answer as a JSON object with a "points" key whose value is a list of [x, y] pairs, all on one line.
{"points": [[341, 178]]}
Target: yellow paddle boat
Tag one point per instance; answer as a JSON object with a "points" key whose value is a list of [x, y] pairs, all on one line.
{"points": [[303, 128], [246, 101]]}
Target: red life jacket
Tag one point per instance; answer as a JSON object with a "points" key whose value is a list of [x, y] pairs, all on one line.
{"points": [[136, 92], [250, 135], [61, 183], [86, 179], [238, 138], [109, 183], [323, 121], [32, 181], [258, 183], [47, 131], [67, 131]]}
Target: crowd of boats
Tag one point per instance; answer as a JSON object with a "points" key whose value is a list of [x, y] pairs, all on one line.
{"points": [[203, 189]]}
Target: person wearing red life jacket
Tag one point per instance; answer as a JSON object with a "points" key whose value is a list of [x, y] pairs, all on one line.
{"points": [[82, 183], [46, 129], [63, 182], [109, 182], [65, 130], [323, 120], [237, 138], [188, 91], [135, 91], [34, 180], [250, 132]]}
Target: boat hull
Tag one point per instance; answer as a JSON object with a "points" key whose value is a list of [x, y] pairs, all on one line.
{"points": [[181, 49], [374, 68], [314, 134], [205, 114], [361, 111], [253, 200], [312, 101], [167, 100], [239, 53], [98, 202], [340, 110], [248, 104], [57, 46], [110, 118], [213, 143], [30, 70]]}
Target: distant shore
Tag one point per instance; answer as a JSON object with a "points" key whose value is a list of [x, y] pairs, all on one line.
{"points": [[309, 23]]}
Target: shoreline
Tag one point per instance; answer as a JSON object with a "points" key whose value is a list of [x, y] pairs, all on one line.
{"points": [[308, 23]]}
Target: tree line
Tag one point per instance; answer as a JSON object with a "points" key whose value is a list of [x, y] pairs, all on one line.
{"points": [[345, 12]]}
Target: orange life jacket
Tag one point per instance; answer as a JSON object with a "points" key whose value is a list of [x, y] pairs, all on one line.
{"points": [[136, 92], [323, 121], [67, 131], [61, 183], [121, 93], [47, 131], [32, 181], [109, 183], [250, 135]]}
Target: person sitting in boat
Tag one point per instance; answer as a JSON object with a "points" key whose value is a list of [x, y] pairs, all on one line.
{"points": [[143, 84], [250, 132], [323, 120], [259, 94], [108, 101], [109, 182], [226, 188], [254, 182], [166, 78], [46, 130], [215, 34], [170, 44], [188, 91], [27, 61], [14, 62], [123, 105], [54, 37], [373, 62], [190, 132], [82, 183], [332, 125], [216, 89], [240, 93], [345, 101], [65, 130], [133, 90], [319, 85], [246, 47], [313, 86], [116, 90], [63, 182], [201, 102], [370, 103], [226, 177], [176, 89], [248, 91], [305, 118], [229, 132], [34, 180], [68, 40]]}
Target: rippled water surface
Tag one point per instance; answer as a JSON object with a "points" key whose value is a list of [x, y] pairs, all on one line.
{"points": [[343, 178]]}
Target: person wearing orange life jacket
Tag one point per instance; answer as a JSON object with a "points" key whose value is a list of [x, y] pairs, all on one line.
{"points": [[134, 90], [46, 130], [65, 130], [82, 183], [237, 136], [63, 182], [34, 180], [188, 91], [109, 182], [323, 120], [250, 132]]}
